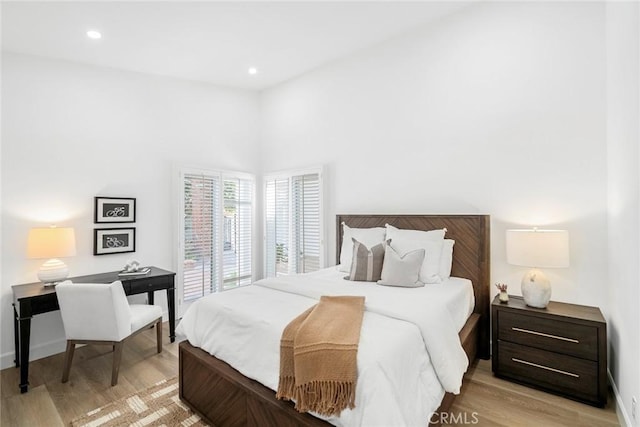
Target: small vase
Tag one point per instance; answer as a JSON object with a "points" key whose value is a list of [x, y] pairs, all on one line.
{"points": [[503, 297]]}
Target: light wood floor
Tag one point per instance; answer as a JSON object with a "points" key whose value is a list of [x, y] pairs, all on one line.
{"points": [[490, 401], [498, 402]]}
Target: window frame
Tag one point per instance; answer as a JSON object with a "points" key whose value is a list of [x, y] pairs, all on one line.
{"points": [[179, 173], [290, 174]]}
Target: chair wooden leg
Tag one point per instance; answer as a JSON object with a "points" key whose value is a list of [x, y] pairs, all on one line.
{"points": [[117, 357], [159, 334], [68, 358]]}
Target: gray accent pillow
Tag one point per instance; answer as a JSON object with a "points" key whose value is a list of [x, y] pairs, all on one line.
{"points": [[402, 271], [366, 264]]}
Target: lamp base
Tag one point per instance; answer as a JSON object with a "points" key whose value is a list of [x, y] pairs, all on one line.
{"points": [[536, 289], [53, 271]]}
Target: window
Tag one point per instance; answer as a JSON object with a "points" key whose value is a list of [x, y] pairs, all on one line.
{"points": [[215, 232], [293, 222]]}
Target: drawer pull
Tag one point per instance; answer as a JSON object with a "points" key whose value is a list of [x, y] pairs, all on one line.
{"points": [[527, 331], [524, 362]]}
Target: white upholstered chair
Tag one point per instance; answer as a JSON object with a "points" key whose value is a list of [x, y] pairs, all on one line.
{"points": [[95, 313]]}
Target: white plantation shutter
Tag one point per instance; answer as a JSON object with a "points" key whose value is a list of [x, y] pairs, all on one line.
{"points": [[201, 225], [306, 222], [277, 227], [293, 223], [216, 232], [238, 195]]}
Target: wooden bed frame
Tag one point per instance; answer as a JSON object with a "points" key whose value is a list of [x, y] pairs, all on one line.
{"points": [[224, 397]]}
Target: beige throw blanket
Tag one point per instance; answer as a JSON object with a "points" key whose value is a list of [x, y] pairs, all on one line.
{"points": [[318, 351]]}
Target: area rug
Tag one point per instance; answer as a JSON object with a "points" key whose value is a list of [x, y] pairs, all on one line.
{"points": [[158, 405]]}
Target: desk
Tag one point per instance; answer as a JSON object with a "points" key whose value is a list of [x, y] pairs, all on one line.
{"points": [[34, 298]]}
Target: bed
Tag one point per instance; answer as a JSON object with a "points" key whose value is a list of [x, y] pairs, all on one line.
{"points": [[223, 396]]}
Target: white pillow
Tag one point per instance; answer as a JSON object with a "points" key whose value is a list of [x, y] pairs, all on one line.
{"points": [[367, 236], [403, 270], [403, 241], [446, 259], [396, 233]]}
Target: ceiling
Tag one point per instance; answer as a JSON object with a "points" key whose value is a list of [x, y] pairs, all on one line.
{"points": [[214, 42]]}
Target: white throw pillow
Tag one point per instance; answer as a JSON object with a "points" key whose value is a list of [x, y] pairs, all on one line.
{"points": [[404, 241], [397, 233], [367, 236], [403, 271], [446, 259]]}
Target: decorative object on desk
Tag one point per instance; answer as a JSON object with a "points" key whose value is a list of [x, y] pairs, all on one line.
{"points": [[114, 240], [140, 272], [503, 296], [133, 269], [132, 266], [114, 209], [537, 248], [52, 243]]}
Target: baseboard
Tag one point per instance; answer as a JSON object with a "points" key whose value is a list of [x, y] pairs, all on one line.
{"points": [[38, 351], [35, 352], [621, 411]]}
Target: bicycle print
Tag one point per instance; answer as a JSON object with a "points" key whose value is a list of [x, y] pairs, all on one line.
{"points": [[117, 211], [114, 240], [114, 209]]}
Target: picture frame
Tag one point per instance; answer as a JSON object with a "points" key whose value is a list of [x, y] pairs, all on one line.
{"points": [[108, 241], [114, 209]]}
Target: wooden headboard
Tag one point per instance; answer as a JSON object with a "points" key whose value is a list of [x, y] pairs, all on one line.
{"points": [[470, 253]]}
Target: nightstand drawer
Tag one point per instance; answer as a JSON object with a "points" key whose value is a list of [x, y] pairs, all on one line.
{"points": [[571, 375], [549, 334], [148, 284]]}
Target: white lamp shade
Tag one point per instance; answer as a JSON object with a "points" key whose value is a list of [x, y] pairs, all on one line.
{"points": [[51, 242], [538, 248]]}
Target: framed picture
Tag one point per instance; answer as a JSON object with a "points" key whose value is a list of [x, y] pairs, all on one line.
{"points": [[114, 209], [114, 240]]}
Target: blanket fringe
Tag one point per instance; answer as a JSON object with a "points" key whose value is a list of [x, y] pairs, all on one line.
{"points": [[325, 397], [286, 388]]}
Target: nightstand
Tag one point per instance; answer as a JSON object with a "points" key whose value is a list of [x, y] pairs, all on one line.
{"points": [[561, 348]]}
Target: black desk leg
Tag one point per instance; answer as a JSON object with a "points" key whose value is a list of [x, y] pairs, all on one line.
{"points": [[25, 337], [150, 302], [171, 306], [16, 337]]}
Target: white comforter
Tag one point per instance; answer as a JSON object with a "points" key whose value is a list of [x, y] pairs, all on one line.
{"points": [[409, 351]]}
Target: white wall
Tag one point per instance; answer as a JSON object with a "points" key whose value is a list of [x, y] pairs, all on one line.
{"points": [[623, 139], [497, 109], [71, 132]]}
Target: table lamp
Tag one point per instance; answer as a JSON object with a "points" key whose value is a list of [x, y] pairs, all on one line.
{"points": [[51, 243], [537, 249]]}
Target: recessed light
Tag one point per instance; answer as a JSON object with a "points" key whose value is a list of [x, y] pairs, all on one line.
{"points": [[253, 70], [93, 34]]}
